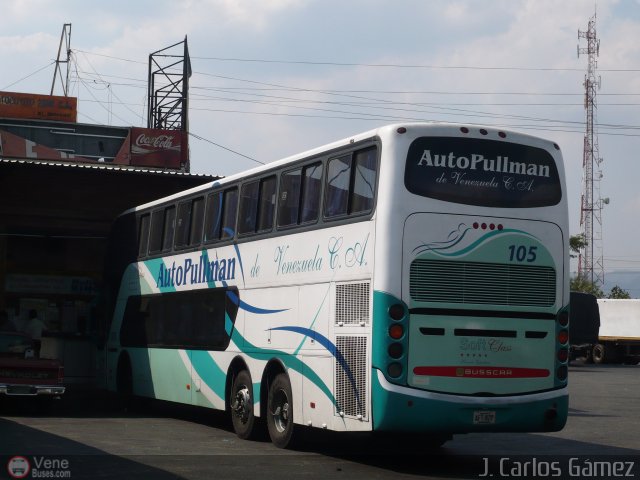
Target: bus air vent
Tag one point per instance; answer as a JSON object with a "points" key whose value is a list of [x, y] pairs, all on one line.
{"points": [[351, 376], [352, 303], [446, 281]]}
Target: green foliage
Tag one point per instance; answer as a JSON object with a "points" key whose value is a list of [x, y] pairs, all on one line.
{"points": [[581, 284], [577, 243], [619, 293]]}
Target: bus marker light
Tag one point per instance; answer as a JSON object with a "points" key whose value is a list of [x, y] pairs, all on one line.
{"points": [[312, 404], [563, 336], [396, 332], [502, 135], [563, 319], [396, 311], [401, 130], [464, 129]]}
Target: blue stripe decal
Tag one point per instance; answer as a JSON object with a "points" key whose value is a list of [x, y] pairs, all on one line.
{"points": [[250, 308], [326, 343]]}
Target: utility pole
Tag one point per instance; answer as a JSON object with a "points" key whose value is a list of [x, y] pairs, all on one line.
{"points": [[65, 38], [591, 262]]}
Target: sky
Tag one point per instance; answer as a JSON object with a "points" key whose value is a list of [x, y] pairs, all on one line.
{"points": [[272, 78]]}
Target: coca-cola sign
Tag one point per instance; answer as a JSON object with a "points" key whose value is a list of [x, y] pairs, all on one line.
{"points": [[157, 148], [144, 143]]}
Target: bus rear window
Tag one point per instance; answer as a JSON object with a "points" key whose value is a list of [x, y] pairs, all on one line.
{"points": [[482, 172]]}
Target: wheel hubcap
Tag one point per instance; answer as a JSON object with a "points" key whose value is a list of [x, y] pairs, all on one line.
{"points": [[241, 405], [280, 413]]}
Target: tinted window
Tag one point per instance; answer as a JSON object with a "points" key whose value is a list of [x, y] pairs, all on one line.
{"points": [[248, 207], [197, 213], [213, 220], [289, 198], [229, 210], [157, 228], [169, 223], [311, 188], [266, 207], [364, 181], [338, 180], [143, 235], [183, 226], [482, 172], [194, 319]]}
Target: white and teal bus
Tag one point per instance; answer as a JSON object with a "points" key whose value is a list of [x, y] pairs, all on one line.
{"points": [[412, 278]]}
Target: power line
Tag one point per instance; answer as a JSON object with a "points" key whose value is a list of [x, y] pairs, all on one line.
{"points": [[225, 148], [30, 75]]}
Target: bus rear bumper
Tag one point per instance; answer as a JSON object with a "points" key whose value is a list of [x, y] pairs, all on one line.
{"points": [[397, 408]]}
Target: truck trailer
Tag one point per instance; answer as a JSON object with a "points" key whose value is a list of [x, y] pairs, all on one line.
{"points": [[619, 336]]}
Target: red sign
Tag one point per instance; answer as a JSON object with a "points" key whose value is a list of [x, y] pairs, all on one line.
{"points": [[41, 107], [149, 147]]}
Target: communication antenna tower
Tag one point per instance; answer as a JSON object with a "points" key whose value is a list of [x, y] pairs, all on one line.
{"points": [[591, 262], [65, 38]]}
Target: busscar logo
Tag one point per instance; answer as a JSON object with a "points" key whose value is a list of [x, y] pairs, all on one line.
{"points": [[18, 467]]}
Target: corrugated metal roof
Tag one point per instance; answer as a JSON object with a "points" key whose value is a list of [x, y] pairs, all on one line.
{"points": [[102, 166]]}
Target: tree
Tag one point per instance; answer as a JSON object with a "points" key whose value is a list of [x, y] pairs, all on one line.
{"points": [[577, 243], [582, 284], [619, 293]]}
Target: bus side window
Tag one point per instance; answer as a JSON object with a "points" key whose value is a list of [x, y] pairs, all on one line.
{"points": [[143, 234], [213, 219], [338, 181], [311, 188], [197, 214], [248, 207], [155, 235], [169, 228], [289, 198], [182, 224], [266, 206], [230, 208], [364, 182]]}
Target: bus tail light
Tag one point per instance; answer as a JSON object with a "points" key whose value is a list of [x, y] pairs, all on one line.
{"points": [[396, 332], [396, 312], [395, 350], [563, 337], [563, 318], [563, 355], [561, 373], [394, 370]]}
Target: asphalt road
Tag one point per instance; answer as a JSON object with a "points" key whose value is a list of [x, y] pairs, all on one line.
{"points": [[162, 441]]}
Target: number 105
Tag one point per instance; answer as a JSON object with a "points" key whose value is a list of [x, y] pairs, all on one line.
{"points": [[521, 253]]}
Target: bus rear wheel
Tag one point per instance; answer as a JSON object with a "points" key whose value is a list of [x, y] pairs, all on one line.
{"points": [[241, 404], [280, 411]]}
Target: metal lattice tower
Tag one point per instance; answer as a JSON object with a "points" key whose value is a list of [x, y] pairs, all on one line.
{"points": [[65, 38], [591, 263]]}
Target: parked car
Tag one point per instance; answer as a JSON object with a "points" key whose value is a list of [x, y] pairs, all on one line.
{"points": [[22, 374]]}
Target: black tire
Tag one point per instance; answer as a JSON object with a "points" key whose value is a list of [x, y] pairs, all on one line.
{"points": [[598, 354], [241, 405], [280, 412]]}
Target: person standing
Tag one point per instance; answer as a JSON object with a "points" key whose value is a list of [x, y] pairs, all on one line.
{"points": [[34, 329]]}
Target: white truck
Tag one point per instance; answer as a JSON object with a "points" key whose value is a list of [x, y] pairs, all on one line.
{"points": [[619, 336]]}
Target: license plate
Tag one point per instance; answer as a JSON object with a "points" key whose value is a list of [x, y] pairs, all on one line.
{"points": [[484, 417]]}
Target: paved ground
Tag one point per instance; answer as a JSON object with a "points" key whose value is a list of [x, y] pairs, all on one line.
{"points": [[169, 441]]}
